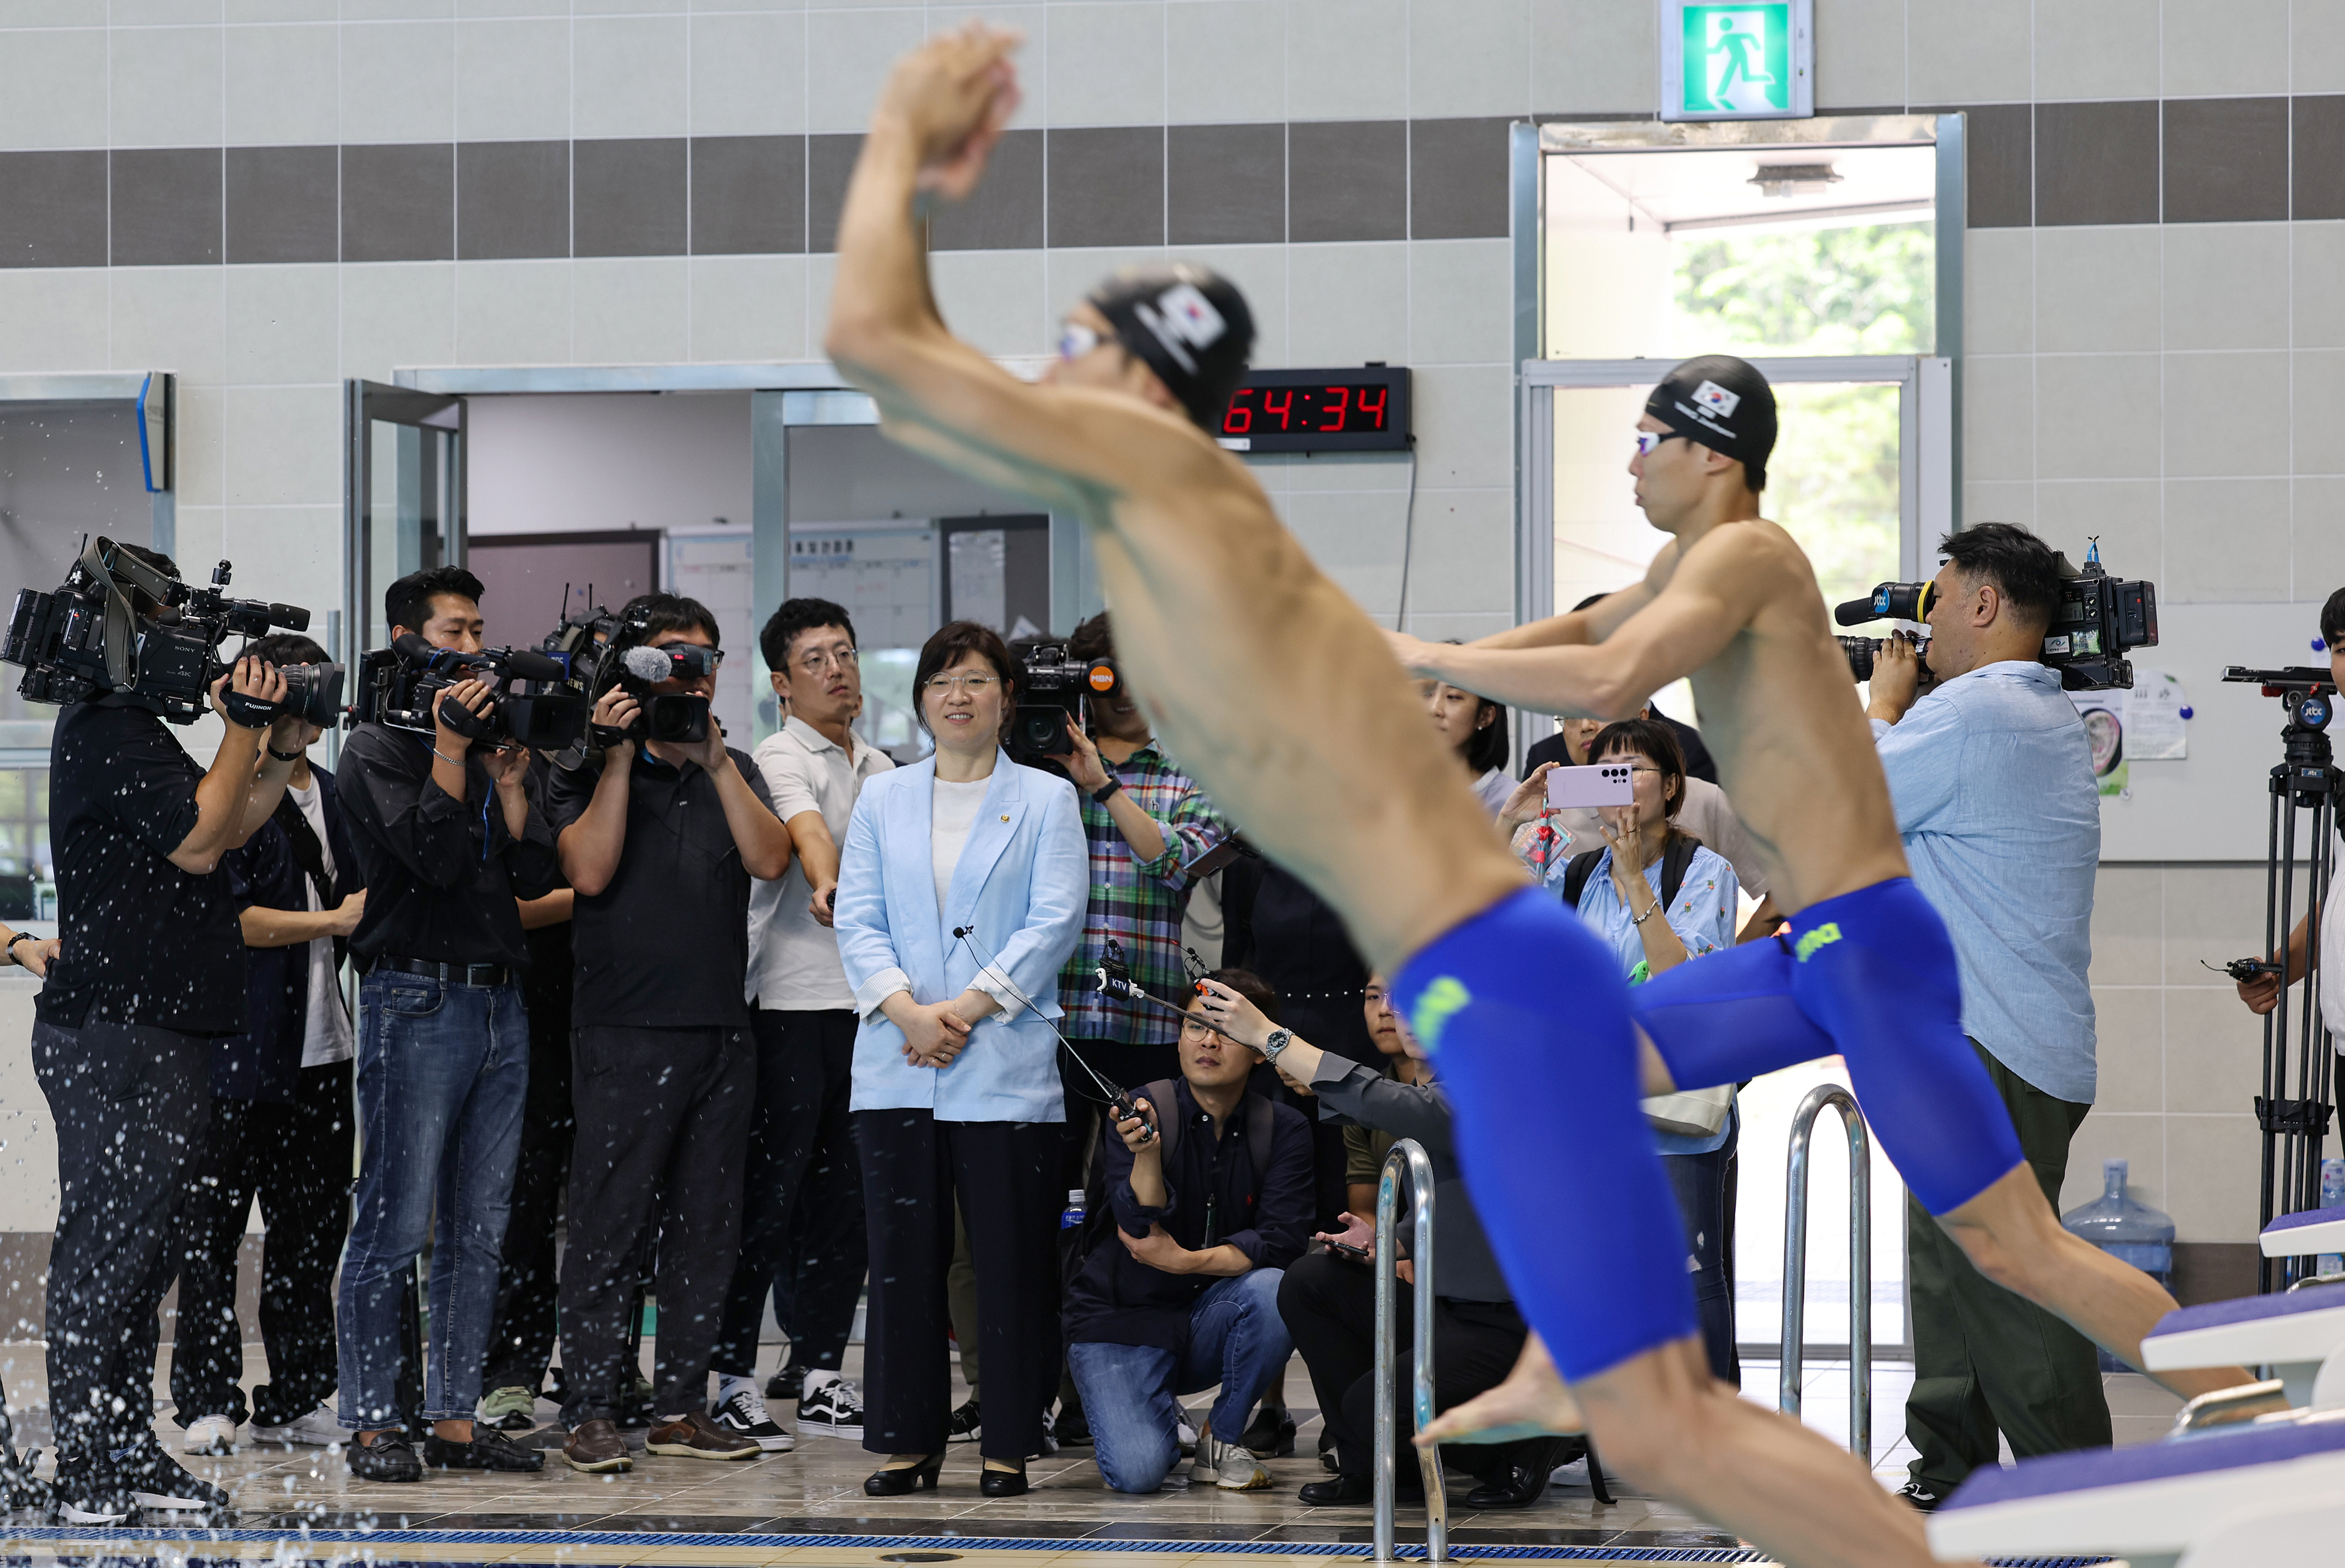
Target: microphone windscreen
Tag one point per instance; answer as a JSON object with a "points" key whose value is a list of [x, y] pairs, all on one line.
{"points": [[1854, 612], [527, 666], [647, 664], [411, 648]]}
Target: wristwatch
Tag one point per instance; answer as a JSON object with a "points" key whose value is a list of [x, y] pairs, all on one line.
{"points": [[292, 757], [11, 948], [1278, 1041], [1108, 791]]}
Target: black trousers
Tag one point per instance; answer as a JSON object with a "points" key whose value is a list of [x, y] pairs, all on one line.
{"points": [[520, 1339], [129, 1100], [1126, 1066], [296, 1158], [1329, 1305], [663, 1123], [802, 1193], [1006, 1175]]}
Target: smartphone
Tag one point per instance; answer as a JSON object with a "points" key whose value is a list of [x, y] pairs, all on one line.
{"points": [[1600, 783], [1360, 1254]]}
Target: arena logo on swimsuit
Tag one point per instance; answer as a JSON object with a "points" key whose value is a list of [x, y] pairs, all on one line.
{"points": [[1442, 1000], [1823, 936]]}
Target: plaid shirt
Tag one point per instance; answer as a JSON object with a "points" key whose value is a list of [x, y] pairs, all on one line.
{"points": [[1139, 903]]}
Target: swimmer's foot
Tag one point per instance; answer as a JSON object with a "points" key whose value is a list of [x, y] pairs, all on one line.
{"points": [[1531, 1402]]}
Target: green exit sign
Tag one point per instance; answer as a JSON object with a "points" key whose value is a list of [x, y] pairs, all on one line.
{"points": [[1725, 61]]}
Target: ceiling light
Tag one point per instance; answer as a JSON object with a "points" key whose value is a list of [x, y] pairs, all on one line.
{"points": [[1787, 179]]}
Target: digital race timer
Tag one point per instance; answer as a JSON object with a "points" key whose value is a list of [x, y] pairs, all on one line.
{"points": [[1350, 410]]}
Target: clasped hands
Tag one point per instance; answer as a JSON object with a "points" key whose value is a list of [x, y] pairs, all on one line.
{"points": [[935, 1033]]}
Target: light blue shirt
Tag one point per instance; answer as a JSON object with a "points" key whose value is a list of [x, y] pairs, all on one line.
{"points": [[1992, 777]]}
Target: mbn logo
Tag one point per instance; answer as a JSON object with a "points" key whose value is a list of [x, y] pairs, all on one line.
{"points": [[1823, 936], [1737, 57]]}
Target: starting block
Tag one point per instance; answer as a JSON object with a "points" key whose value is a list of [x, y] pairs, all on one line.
{"points": [[2300, 1334], [2315, 1231]]}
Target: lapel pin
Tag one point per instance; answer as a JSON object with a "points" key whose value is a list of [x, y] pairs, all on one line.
{"points": [[1005, 817]]}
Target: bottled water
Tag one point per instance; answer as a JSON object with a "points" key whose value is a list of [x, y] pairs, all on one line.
{"points": [[1072, 1216], [2128, 1231]]}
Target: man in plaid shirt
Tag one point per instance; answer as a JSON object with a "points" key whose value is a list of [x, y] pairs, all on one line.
{"points": [[1146, 820]]}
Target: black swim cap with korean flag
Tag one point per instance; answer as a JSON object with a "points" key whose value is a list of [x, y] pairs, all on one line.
{"points": [[1722, 403], [1187, 323]]}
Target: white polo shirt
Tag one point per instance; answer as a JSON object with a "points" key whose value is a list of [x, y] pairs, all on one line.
{"points": [[794, 958]]}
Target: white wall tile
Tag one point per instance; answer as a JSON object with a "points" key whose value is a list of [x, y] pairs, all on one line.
{"points": [[1999, 292], [399, 83], [2095, 49], [2210, 911], [396, 314], [821, 272], [1859, 55], [54, 321], [2316, 407], [2226, 541], [749, 309], [283, 85], [1469, 58], [1967, 51], [1106, 65], [1355, 537], [2097, 415], [1225, 61], [748, 75], [2226, 47], [2128, 515], [197, 458], [1461, 303], [2138, 1140], [1999, 501], [201, 538], [1349, 303], [2317, 305], [512, 312], [629, 311], [630, 76], [1461, 559], [165, 86], [1346, 59], [284, 324], [52, 13], [1592, 56], [1032, 23], [301, 546], [1465, 424], [2211, 1173], [2218, 419], [2096, 289], [2214, 1046], [284, 446], [513, 81], [2128, 925], [2318, 537], [171, 319], [1998, 419], [2226, 285], [2317, 48], [851, 52], [243, 11], [2129, 1029], [401, 10], [163, 12], [993, 299], [1070, 274], [52, 89]]}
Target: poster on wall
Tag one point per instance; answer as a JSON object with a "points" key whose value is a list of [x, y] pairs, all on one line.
{"points": [[2104, 713], [2146, 724]]}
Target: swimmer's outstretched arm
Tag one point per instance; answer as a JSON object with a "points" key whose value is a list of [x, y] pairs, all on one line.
{"points": [[1593, 624]]}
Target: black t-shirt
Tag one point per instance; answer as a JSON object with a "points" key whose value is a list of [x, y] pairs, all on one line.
{"points": [[666, 944], [144, 941]]}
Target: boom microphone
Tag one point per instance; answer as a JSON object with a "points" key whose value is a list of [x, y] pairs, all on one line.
{"points": [[523, 665], [648, 663]]}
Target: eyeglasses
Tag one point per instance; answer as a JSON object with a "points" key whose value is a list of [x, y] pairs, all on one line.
{"points": [[817, 660], [1075, 339], [975, 685], [1649, 441], [1197, 1029]]}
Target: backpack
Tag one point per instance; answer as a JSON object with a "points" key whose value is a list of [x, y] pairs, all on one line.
{"points": [[1674, 861]]}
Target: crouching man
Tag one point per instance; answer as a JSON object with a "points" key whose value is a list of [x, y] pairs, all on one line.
{"points": [[1211, 1192]]}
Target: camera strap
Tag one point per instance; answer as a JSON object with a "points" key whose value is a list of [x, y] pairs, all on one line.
{"points": [[121, 622], [308, 854]]}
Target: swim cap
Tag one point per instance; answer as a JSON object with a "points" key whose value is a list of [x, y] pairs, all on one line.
{"points": [[1723, 403], [1190, 324]]}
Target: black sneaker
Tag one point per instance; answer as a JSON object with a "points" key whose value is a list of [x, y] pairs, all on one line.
{"points": [[157, 1485], [1271, 1436], [390, 1458], [1070, 1428], [1918, 1496], [489, 1450], [789, 1384], [745, 1416], [88, 1492], [967, 1424], [833, 1410]]}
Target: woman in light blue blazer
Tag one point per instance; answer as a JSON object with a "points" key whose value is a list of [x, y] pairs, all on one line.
{"points": [[961, 890]]}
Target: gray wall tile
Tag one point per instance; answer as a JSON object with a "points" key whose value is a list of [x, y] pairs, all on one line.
{"points": [[2318, 134], [2225, 159], [166, 206], [1005, 212], [2096, 163], [629, 197], [512, 201], [748, 195], [398, 202], [1107, 186], [830, 160], [1999, 151], [1226, 185], [1347, 180], [53, 209], [1458, 179], [284, 204]]}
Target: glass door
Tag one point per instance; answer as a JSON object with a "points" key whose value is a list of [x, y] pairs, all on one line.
{"points": [[402, 500]]}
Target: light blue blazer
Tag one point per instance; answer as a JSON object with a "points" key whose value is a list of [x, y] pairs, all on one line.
{"points": [[1022, 888]]}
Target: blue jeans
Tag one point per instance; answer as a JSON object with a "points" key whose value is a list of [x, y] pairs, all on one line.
{"points": [[1236, 1339], [442, 1070]]}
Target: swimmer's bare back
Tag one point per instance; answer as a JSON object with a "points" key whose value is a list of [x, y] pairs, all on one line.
{"points": [[1738, 612], [1257, 671]]}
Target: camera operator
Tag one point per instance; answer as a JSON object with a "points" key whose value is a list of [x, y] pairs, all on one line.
{"points": [[447, 838], [151, 971], [282, 1126], [1991, 779], [659, 840]]}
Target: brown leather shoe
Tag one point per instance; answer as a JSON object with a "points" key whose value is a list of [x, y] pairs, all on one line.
{"points": [[697, 1437], [596, 1445]]}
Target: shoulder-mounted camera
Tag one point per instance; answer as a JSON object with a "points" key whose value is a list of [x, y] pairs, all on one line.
{"points": [[2097, 620], [1052, 687]]}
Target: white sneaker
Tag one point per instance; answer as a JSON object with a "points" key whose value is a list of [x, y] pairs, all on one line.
{"points": [[319, 1429], [209, 1434], [1231, 1466]]}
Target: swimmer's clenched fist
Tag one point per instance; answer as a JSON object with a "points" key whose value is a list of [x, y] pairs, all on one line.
{"points": [[954, 98]]}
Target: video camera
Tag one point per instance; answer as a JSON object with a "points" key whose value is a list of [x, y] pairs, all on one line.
{"points": [[401, 685], [2098, 619], [1053, 686], [598, 651], [120, 623]]}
